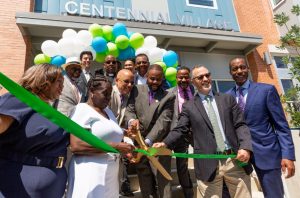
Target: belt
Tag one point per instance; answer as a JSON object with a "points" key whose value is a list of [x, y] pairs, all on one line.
{"points": [[225, 152], [51, 162]]}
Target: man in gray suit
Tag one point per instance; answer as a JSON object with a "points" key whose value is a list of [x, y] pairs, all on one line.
{"points": [[85, 57], [184, 92], [70, 95], [151, 109], [118, 104], [218, 127]]}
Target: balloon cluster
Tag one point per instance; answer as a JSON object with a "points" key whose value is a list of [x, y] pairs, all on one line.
{"points": [[107, 40]]}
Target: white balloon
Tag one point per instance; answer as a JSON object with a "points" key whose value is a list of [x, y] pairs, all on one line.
{"points": [[50, 48], [91, 49], [155, 55], [66, 47], [142, 50], [69, 33], [150, 42], [85, 37]]}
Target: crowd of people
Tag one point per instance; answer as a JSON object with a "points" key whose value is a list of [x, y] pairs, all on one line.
{"points": [[115, 101]]}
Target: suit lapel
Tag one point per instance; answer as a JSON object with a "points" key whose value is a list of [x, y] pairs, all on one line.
{"points": [[152, 107], [176, 105], [250, 97], [200, 107]]}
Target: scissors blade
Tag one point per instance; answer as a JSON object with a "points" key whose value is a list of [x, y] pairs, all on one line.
{"points": [[159, 167]]}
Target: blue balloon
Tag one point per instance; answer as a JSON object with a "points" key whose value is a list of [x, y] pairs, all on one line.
{"points": [[170, 58], [58, 60], [99, 44], [129, 34], [127, 53], [119, 29]]}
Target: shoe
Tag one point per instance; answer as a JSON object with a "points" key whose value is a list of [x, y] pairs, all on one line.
{"points": [[127, 193]]}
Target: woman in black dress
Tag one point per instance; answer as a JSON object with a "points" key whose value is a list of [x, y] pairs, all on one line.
{"points": [[32, 149]]}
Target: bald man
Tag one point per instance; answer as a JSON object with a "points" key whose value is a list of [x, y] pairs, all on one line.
{"points": [[119, 96], [118, 103]]}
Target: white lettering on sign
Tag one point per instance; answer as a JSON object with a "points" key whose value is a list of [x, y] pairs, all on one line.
{"points": [[92, 10]]}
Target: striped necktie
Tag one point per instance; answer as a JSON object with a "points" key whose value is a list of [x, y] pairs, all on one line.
{"points": [[241, 101]]}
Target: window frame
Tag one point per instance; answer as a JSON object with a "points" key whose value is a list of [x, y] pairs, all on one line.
{"points": [[203, 6], [277, 5]]}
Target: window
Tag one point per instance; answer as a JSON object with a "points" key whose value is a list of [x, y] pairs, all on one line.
{"points": [[279, 62], [287, 84], [275, 3], [202, 3], [224, 86]]}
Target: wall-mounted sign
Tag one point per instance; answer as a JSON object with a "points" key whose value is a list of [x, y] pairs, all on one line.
{"points": [[142, 15]]}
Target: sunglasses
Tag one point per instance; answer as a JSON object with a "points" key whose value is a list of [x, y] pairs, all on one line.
{"points": [[75, 69], [207, 75], [110, 62], [127, 82]]}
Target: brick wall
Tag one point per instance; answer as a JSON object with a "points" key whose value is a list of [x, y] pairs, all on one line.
{"points": [[15, 48], [256, 17]]}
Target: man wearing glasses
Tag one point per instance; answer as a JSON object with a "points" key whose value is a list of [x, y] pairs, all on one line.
{"points": [[217, 127], [110, 68], [70, 95], [118, 103], [142, 64]]}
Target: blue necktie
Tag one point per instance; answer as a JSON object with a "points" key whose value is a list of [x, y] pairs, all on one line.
{"points": [[241, 101]]}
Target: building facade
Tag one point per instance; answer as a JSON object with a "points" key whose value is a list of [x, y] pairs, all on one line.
{"points": [[208, 32]]}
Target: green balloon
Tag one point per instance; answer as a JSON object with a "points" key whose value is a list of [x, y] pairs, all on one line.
{"points": [[122, 42], [41, 58], [100, 57], [96, 30], [173, 83], [171, 74], [175, 65], [163, 65], [112, 49], [136, 40], [107, 32]]}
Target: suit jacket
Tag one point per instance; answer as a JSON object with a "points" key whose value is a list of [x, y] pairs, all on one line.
{"points": [[82, 86], [194, 116], [174, 90], [155, 119], [68, 98], [271, 136], [115, 105]]}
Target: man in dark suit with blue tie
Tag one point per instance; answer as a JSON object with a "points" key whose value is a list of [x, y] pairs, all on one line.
{"points": [[273, 148]]}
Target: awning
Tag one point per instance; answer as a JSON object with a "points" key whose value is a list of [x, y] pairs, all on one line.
{"points": [[42, 27]]}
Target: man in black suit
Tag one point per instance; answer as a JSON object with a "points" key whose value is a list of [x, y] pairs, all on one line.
{"points": [[218, 127], [86, 58], [184, 92]]}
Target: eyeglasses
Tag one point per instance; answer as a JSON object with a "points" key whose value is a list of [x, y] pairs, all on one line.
{"points": [[207, 75], [142, 62], [110, 62], [76, 69], [127, 82]]}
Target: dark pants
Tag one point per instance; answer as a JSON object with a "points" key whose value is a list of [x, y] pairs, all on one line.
{"points": [[182, 170], [150, 181], [271, 182]]}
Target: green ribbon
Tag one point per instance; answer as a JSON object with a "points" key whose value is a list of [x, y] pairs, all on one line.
{"points": [[68, 125], [53, 115]]}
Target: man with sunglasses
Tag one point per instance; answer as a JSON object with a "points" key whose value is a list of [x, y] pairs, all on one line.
{"points": [[118, 103], [273, 147], [142, 65], [70, 95], [110, 68], [217, 127]]}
